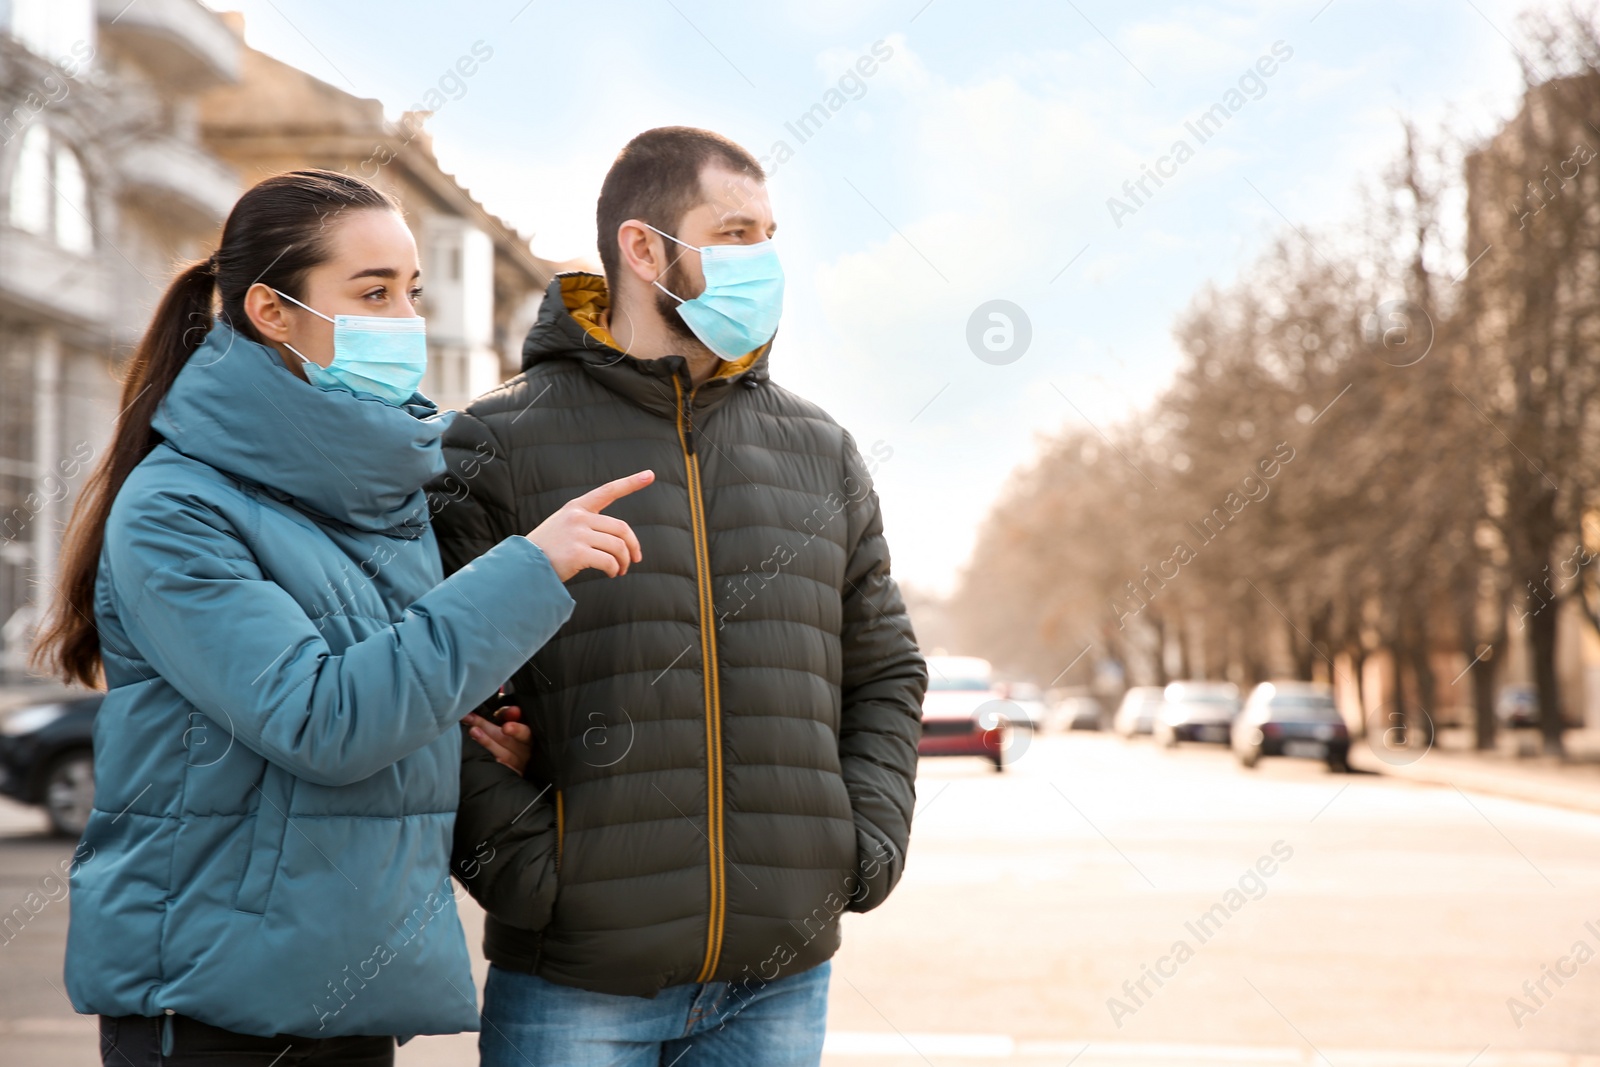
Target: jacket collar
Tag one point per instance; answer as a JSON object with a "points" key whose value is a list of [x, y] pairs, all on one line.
{"points": [[569, 328], [235, 407]]}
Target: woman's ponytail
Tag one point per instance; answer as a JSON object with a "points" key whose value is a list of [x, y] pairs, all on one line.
{"points": [[274, 235], [69, 643]]}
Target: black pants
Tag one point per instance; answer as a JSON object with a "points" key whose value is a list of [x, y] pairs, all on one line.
{"points": [[135, 1041]]}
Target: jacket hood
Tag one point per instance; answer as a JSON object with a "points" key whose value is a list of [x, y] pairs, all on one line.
{"points": [[235, 407], [569, 328]]}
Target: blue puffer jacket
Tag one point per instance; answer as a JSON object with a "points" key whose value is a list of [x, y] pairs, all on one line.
{"points": [[276, 759]]}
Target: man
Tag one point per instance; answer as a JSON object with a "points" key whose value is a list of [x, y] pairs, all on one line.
{"points": [[724, 740]]}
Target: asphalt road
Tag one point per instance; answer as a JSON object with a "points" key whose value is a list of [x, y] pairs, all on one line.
{"points": [[1106, 903]]}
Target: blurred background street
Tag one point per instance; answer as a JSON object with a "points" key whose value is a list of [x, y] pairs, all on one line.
{"points": [[1232, 378], [1404, 919]]}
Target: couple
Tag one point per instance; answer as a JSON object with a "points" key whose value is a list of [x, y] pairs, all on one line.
{"points": [[302, 585]]}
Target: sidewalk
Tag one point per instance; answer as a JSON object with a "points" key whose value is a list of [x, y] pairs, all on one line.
{"points": [[1514, 769]]}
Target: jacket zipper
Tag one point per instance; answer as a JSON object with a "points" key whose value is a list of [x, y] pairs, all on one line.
{"points": [[713, 696], [561, 829]]}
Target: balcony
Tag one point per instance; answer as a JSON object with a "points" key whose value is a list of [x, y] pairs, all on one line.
{"points": [[180, 43], [41, 281], [177, 182]]}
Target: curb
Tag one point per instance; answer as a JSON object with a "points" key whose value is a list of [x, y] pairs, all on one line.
{"points": [[1466, 774]]}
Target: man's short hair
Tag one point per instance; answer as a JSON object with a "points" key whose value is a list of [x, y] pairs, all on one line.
{"points": [[656, 178]]}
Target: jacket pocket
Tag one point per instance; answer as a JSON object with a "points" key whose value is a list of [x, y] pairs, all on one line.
{"points": [[274, 794]]}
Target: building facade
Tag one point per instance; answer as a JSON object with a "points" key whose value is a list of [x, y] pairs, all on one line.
{"points": [[127, 131], [103, 186], [482, 283]]}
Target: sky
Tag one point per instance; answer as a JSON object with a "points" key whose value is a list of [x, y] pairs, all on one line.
{"points": [[969, 155]]}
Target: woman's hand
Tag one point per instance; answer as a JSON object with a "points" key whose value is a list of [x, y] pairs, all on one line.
{"points": [[509, 741], [578, 537]]}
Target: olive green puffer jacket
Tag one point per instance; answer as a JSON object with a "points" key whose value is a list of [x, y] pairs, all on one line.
{"points": [[725, 737]]}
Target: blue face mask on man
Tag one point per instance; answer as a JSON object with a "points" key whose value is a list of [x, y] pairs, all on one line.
{"points": [[373, 355], [739, 309]]}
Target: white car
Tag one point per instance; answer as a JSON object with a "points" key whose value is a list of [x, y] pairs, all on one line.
{"points": [[1078, 710], [1028, 708], [1137, 713], [1197, 711]]}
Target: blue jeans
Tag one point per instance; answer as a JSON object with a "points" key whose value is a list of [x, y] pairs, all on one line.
{"points": [[530, 1022]]}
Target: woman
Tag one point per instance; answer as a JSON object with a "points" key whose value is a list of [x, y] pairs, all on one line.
{"points": [[252, 570]]}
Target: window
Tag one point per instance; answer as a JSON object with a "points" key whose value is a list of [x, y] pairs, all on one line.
{"points": [[1304, 709], [72, 203], [959, 685], [49, 193], [50, 28], [30, 183]]}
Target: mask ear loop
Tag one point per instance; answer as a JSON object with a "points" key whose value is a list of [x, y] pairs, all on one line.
{"points": [[315, 312], [657, 284]]}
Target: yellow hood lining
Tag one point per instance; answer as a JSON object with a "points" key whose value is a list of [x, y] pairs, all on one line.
{"points": [[588, 301]]}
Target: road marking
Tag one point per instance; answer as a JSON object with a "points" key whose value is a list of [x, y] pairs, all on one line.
{"points": [[1121, 1053], [963, 1046], [1129, 1053]]}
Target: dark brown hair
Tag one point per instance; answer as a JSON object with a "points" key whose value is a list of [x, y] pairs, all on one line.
{"points": [[656, 178], [275, 234]]}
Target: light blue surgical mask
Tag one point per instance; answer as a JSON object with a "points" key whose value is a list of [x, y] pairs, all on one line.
{"points": [[373, 355], [743, 298]]}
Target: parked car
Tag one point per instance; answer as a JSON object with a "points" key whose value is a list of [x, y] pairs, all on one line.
{"points": [[1517, 706], [1080, 711], [1197, 711], [1137, 712], [47, 759], [1297, 719], [963, 714], [1030, 711]]}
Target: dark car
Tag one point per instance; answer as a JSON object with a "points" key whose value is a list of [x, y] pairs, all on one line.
{"points": [[1297, 719], [1517, 706], [47, 758]]}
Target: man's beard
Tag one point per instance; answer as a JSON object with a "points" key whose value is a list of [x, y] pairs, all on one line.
{"points": [[677, 280]]}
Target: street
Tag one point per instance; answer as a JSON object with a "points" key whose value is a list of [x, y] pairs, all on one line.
{"points": [[1107, 902], [1227, 371]]}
